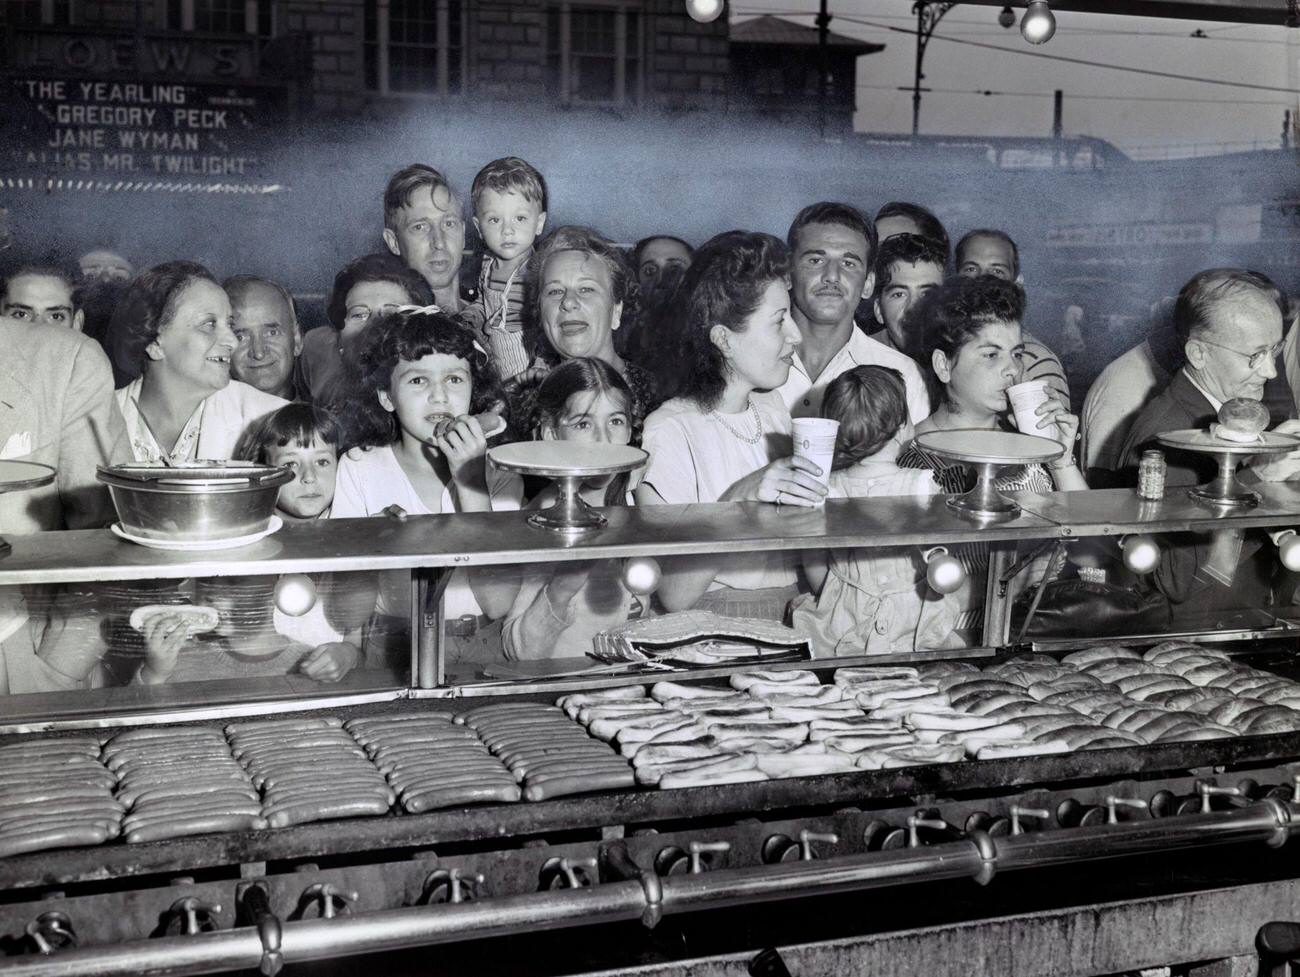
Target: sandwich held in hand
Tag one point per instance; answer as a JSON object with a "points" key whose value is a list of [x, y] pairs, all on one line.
{"points": [[197, 619]]}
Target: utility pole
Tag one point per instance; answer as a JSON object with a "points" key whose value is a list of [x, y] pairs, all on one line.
{"points": [[823, 65], [928, 14]]}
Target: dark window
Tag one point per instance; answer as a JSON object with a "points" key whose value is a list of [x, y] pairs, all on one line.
{"points": [[34, 12], [220, 17], [596, 50], [413, 45]]}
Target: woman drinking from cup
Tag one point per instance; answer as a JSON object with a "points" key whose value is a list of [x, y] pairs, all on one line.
{"points": [[972, 344], [726, 438]]}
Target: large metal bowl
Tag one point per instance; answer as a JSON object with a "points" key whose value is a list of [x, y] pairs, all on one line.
{"points": [[194, 503]]}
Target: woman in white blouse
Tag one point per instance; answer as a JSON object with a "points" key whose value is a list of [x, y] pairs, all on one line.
{"points": [[173, 332], [726, 437]]}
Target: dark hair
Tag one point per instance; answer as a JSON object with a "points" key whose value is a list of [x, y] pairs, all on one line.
{"points": [[586, 374], [298, 424], [929, 225], [403, 184], [997, 236], [833, 213], [381, 267], [954, 313], [907, 249], [44, 271], [583, 374], [639, 248], [147, 305], [586, 241], [1198, 298], [870, 402], [408, 336], [723, 286], [237, 285], [98, 300], [510, 173]]}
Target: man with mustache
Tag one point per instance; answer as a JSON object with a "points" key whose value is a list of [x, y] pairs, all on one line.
{"points": [[834, 249]]}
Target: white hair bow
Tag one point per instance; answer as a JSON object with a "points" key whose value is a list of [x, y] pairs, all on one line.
{"points": [[433, 310]]}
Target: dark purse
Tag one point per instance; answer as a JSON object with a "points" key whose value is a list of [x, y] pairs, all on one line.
{"points": [[1080, 608]]}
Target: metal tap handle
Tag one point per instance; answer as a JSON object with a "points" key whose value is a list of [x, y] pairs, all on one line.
{"points": [[806, 839], [328, 895], [458, 881], [1017, 812], [269, 931], [917, 821], [1112, 803], [52, 931], [1208, 790], [190, 909], [698, 848], [569, 868]]}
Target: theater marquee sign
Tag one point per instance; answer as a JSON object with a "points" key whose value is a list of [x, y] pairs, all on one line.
{"points": [[85, 109]]}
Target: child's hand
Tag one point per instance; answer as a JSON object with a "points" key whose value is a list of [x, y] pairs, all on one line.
{"points": [[331, 661], [164, 635], [463, 445]]}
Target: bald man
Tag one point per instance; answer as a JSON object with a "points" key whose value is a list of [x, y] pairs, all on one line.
{"points": [[270, 342]]}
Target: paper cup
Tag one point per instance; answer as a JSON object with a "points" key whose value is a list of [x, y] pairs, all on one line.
{"points": [[814, 439], [1025, 399]]}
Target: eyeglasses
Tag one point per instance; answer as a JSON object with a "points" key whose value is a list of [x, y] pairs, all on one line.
{"points": [[360, 314], [1255, 359]]}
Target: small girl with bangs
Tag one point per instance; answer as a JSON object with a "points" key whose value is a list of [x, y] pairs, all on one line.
{"points": [[873, 601], [422, 378], [559, 610]]}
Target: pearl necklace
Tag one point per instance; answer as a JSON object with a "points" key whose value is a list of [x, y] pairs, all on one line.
{"points": [[748, 439]]}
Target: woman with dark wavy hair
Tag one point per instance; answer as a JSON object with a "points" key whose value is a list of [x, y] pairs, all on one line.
{"points": [[726, 437]]}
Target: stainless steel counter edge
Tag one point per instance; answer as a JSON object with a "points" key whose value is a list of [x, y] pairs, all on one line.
{"points": [[679, 530]]}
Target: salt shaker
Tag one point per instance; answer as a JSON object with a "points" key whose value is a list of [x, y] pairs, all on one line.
{"points": [[1151, 475]]}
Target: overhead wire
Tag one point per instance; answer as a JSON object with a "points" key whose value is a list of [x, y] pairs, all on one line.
{"points": [[1066, 59], [1075, 95]]}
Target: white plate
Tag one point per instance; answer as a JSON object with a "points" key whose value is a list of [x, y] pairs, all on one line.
{"points": [[199, 545]]}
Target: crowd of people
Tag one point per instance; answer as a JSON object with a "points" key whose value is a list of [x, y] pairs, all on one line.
{"points": [[702, 356]]}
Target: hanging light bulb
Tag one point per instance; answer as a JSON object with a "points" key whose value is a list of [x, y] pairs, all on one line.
{"points": [[1288, 548], [1141, 554], [1037, 25], [943, 573], [704, 11], [1007, 18], [641, 575]]}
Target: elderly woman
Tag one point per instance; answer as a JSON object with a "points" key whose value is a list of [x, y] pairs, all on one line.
{"points": [[172, 332], [364, 290], [578, 283], [726, 438], [972, 344]]}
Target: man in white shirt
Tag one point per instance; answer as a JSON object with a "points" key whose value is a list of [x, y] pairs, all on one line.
{"points": [[833, 248]]}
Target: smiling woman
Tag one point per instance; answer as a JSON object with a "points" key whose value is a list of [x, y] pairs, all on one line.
{"points": [[173, 333]]}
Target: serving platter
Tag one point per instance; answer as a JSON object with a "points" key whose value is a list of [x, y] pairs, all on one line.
{"points": [[18, 476], [1224, 489], [988, 451], [569, 463]]}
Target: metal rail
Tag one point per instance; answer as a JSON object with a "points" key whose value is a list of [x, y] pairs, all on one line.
{"points": [[272, 943]]}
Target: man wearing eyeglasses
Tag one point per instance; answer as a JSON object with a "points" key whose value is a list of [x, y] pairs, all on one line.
{"points": [[1230, 322]]}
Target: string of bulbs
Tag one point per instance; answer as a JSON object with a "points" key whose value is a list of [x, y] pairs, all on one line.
{"points": [[1036, 26]]}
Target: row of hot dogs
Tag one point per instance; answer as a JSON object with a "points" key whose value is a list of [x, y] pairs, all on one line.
{"points": [[156, 783]]}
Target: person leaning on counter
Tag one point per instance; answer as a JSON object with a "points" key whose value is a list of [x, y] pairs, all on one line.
{"points": [[56, 408], [1230, 322]]}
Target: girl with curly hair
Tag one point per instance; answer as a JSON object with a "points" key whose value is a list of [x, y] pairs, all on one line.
{"points": [[726, 436], [422, 379]]}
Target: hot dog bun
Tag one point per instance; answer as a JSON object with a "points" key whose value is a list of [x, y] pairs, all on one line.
{"points": [[198, 619]]}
